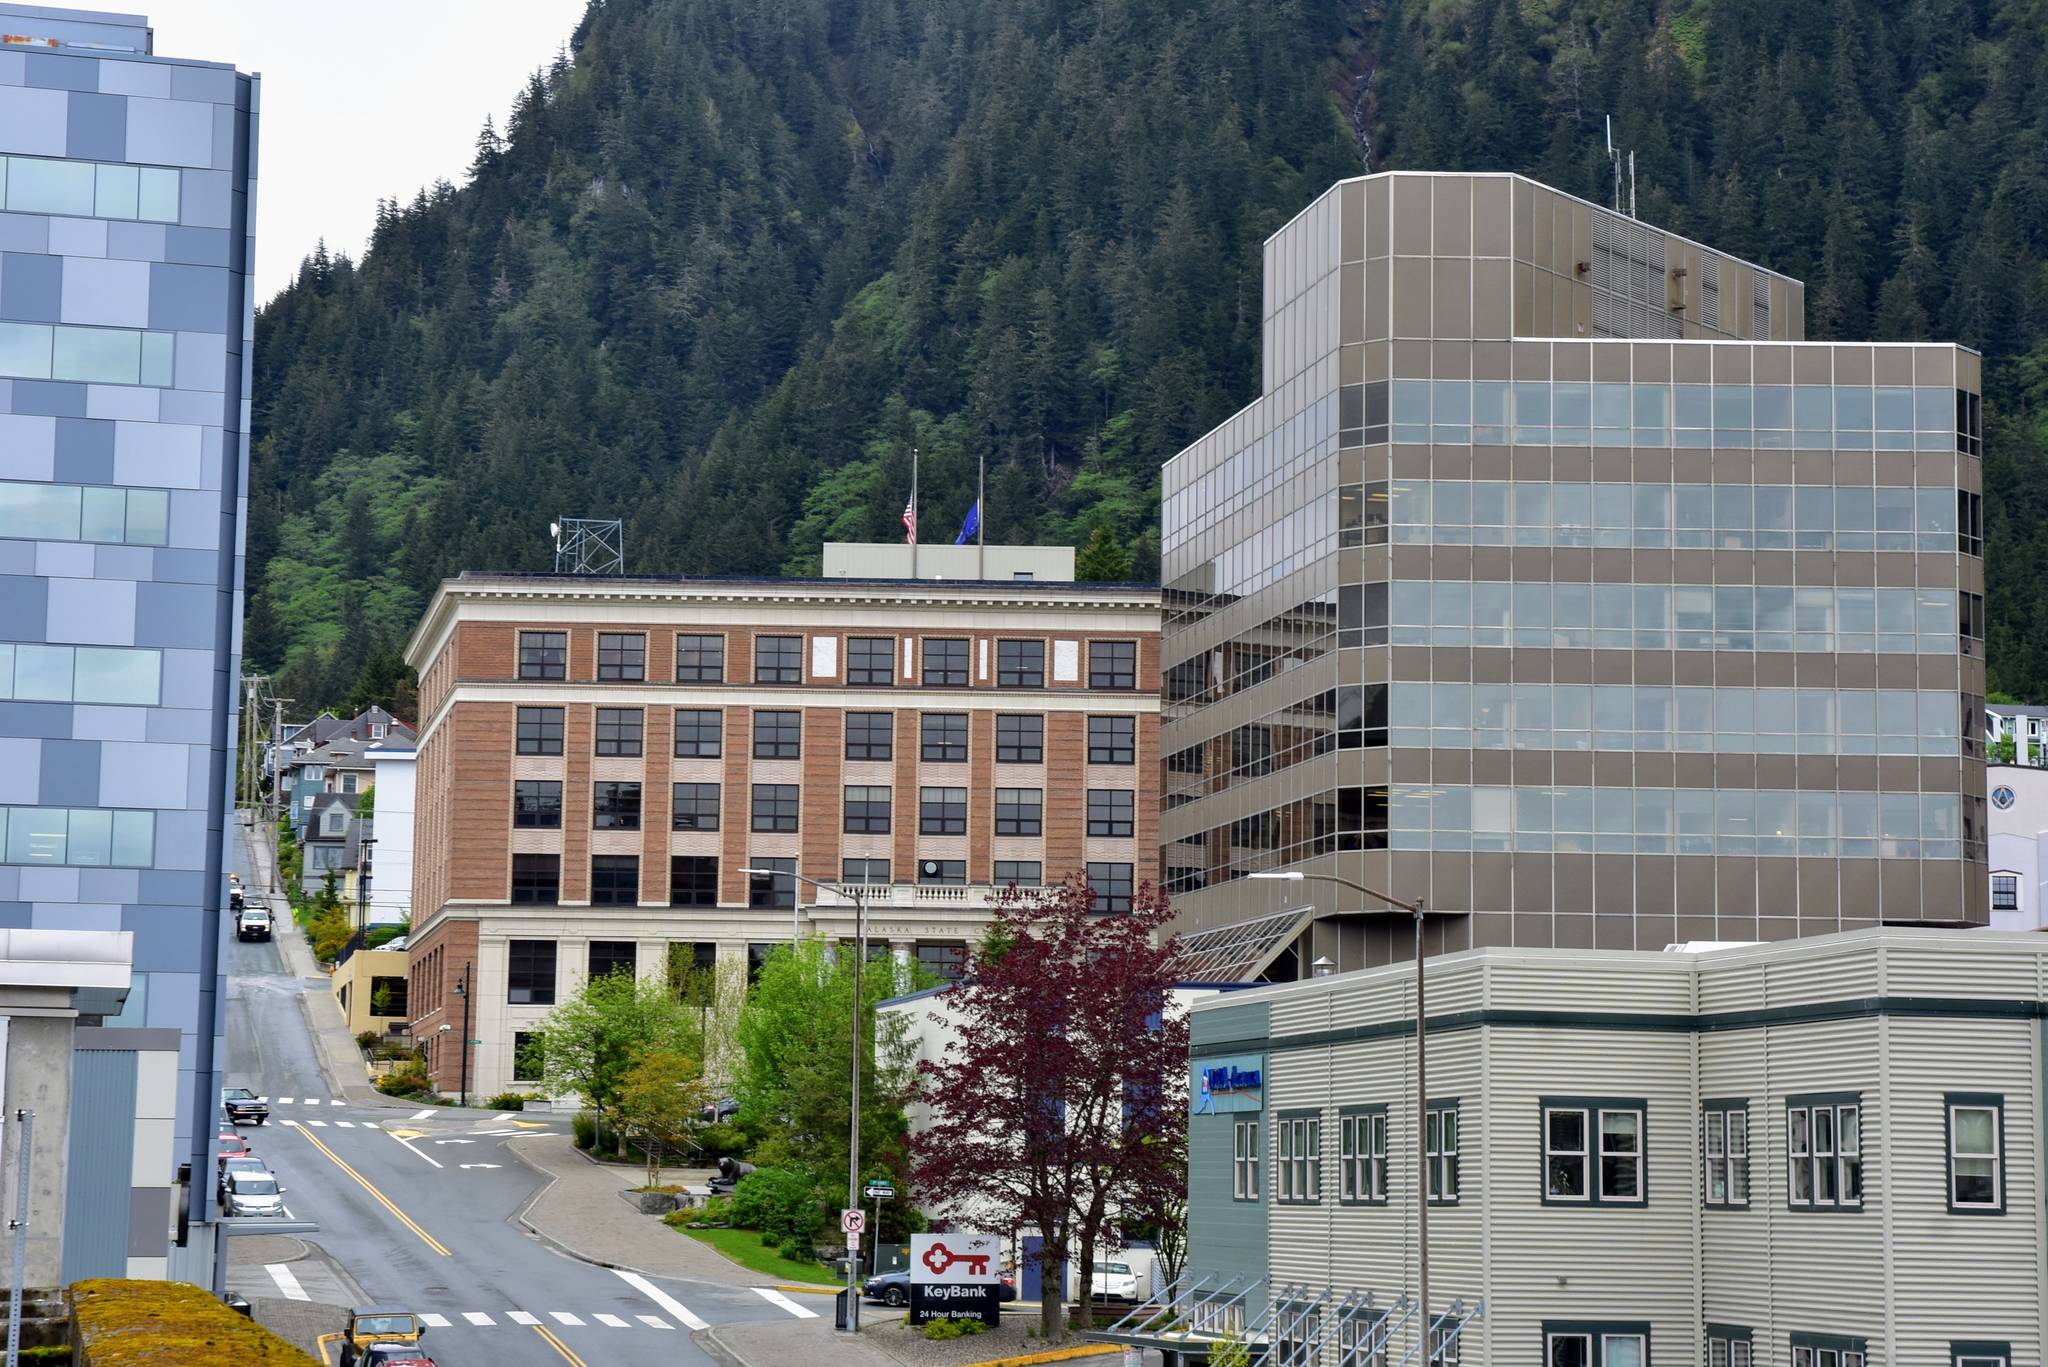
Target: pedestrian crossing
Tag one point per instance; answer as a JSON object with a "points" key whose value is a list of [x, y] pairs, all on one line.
{"points": [[301, 1101], [567, 1319], [323, 1124]]}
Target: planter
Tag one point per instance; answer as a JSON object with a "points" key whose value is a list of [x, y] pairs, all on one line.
{"points": [[651, 1202]]}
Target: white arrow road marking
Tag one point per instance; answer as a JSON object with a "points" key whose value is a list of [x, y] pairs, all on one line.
{"points": [[613, 1322], [654, 1321], [564, 1317], [467, 1166], [521, 1317], [661, 1298], [286, 1282], [478, 1318], [411, 1149], [422, 1115], [436, 1321], [774, 1297]]}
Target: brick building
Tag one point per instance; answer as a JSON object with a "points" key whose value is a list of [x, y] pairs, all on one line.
{"points": [[894, 731]]}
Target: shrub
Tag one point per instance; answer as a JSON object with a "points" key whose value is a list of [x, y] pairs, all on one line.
{"points": [[940, 1330], [366, 1040], [779, 1202], [511, 1101], [168, 1324], [1230, 1351], [718, 1141], [407, 1079], [798, 1250], [585, 1126]]}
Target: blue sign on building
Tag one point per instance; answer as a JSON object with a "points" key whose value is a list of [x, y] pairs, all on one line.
{"points": [[1226, 1084]]}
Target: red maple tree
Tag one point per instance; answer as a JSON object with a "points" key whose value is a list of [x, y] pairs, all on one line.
{"points": [[1059, 1102]]}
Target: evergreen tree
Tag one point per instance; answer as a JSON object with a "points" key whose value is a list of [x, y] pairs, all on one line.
{"points": [[1102, 559]]}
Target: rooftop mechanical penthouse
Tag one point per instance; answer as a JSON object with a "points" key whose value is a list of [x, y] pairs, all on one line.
{"points": [[1557, 581]]}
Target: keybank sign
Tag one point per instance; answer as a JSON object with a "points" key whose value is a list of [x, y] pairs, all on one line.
{"points": [[1226, 1084]]}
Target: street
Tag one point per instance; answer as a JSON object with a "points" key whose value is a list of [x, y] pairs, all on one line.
{"points": [[418, 1206]]}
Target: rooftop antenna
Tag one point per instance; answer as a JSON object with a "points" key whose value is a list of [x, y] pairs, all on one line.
{"points": [[589, 545], [1614, 158]]}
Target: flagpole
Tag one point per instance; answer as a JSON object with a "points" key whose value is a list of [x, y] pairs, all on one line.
{"points": [[981, 516], [913, 512]]}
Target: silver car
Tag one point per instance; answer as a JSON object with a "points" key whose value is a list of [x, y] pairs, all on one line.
{"points": [[254, 1193]]}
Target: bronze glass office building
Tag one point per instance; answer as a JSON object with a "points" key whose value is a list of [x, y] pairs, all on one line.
{"points": [[1557, 581]]}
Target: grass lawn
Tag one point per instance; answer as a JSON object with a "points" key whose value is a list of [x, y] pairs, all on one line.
{"points": [[744, 1247]]}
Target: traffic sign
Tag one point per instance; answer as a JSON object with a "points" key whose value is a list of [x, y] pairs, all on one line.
{"points": [[879, 1191], [853, 1221]]}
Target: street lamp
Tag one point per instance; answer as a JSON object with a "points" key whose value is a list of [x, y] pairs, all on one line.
{"points": [[462, 991], [1414, 909], [860, 954], [365, 847]]}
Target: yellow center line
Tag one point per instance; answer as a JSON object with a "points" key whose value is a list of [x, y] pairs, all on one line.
{"points": [[382, 1199], [559, 1346]]}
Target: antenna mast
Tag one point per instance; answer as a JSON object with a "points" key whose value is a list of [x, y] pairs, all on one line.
{"points": [[589, 545]]}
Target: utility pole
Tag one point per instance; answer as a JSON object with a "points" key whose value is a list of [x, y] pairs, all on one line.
{"points": [[19, 1225]]}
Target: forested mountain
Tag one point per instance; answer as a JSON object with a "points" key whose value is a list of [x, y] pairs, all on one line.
{"points": [[731, 260]]}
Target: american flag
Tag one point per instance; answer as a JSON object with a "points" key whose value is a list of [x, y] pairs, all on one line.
{"points": [[910, 524]]}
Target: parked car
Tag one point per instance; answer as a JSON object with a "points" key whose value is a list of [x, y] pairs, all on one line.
{"points": [[243, 1106], [250, 1164], [371, 1326], [253, 1193], [893, 1288], [232, 1145], [395, 1355], [1115, 1282], [252, 923]]}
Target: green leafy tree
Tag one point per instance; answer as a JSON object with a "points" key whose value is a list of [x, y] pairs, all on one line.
{"points": [[659, 1097], [1102, 559], [590, 1043]]}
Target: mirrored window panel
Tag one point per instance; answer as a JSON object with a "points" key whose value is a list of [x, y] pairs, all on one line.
{"points": [[84, 189], [75, 512], [87, 674], [80, 837]]}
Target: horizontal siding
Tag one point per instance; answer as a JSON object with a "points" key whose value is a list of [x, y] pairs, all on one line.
{"points": [[1988, 970], [1621, 984], [1726, 985], [1809, 978]]}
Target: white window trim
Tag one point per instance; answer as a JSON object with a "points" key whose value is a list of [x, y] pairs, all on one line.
{"points": [[1997, 1156]]}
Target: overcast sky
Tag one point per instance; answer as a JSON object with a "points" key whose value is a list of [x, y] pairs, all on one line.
{"points": [[361, 100]]}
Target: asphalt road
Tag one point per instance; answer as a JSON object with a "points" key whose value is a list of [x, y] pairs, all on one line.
{"points": [[418, 1206]]}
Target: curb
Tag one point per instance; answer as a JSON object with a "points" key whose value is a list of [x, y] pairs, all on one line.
{"points": [[1086, 1350]]}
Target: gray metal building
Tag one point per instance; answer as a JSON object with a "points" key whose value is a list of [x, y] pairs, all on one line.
{"points": [[1554, 580], [127, 200]]}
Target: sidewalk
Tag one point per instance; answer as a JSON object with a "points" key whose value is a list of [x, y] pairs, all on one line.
{"points": [[776, 1343], [581, 1212], [320, 1293]]}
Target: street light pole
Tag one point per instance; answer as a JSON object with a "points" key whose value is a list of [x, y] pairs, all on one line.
{"points": [[860, 954], [462, 991], [1414, 909]]}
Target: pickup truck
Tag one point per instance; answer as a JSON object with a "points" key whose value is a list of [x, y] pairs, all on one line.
{"points": [[243, 1107], [252, 923]]}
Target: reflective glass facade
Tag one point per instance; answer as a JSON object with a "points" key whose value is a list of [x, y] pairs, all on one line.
{"points": [[1545, 520]]}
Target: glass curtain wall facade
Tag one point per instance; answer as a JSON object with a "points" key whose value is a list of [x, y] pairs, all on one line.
{"points": [[127, 193], [1557, 582]]}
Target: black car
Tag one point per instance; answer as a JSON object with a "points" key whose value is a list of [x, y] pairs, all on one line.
{"points": [[243, 1106], [893, 1288]]}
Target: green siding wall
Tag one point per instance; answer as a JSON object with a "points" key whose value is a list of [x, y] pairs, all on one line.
{"points": [[1225, 1237]]}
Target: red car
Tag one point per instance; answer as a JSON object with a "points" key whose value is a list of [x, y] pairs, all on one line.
{"points": [[394, 1355], [232, 1145]]}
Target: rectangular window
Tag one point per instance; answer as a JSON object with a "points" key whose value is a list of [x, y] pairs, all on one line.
{"points": [[942, 811], [1112, 664], [1111, 884], [1362, 1155], [76, 512], [778, 735], [944, 737], [1728, 1346], [2005, 892], [539, 730], [1595, 1345], [1024, 873], [529, 1063], [1827, 1350], [870, 735], [871, 872], [83, 189], [621, 656], [1725, 1146], [613, 956], [773, 889], [700, 659], [619, 730], [543, 654], [536, 879], [1111, 811], [95, 355], [775, 806], [1112, 740], [693, 807], [1020, 739], [942, 873], [943, 959], [1592, 1151], [614, 880], [778, 659], [1298, 1157], [537, 804], [1962, 1354], [615, 806], [871, 661], [867, 810], [945, 663], [530, 972], [1362, 1339], [1020, 811], [82, 837], [692, 880], [1020, 664], [1244, 1174], [1976, 1154], [1824, 1152], [1440, 1152], [699, 735]]}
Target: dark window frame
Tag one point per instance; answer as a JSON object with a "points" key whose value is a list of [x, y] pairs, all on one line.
{"points": [[627, 662], [1834, 1103], [1593, 1156], [781, 671], [866, 876], [544, 655], [1596, 1333], [1020, 662], [614, 895], [779, 723], [535, 965], [1359, 1160], [1951, 1102], [1110, 825], [1298, 1157], [1011, 814], [611, 959], [1114, 671], [766, 892], [863, 674], [531, 807], [1015, 750], [937, 815], [1002, 880], [616, 805], [538, 730], [705, 663], [857, 813], [677, 797], [1113, 749], [780, 805], [940, 749], [697, 872], [613, 736], [1828, 1350], [532, 880], [868, 750], [1724, 1109], [1115, 901], [696, 731], [946, 675], [1435, 1151]]}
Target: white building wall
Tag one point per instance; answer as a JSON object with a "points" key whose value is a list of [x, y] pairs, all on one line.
{"points": [[391, 857], [2019, 841]]}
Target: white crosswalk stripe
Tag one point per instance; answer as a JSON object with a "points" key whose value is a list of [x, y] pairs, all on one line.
{"points": [[287, 1282], [484, 1320], [321, 1124], [350, 1124], [293, 1124], [613, 1321], [478, 1318], [654, 1321], [675, 1308], [337, 1103], [774, 1297], [441, 1321], [286, 1101], [564, 1317], [422, 1115], [521, 1317]]}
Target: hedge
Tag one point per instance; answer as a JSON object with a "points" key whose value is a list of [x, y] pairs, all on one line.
{"points": [[168, 1324]]}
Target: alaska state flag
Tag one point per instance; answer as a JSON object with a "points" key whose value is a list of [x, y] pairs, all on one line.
{"points": [[971, 525]]}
